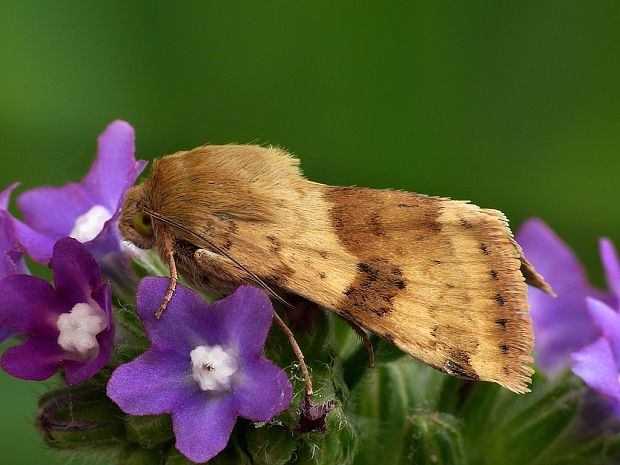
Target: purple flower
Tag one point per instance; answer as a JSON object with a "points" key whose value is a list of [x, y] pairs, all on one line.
{"points": [[11, 256], [563, 325], [87, 211], [598, 364], [69, 325], [205, 366]]}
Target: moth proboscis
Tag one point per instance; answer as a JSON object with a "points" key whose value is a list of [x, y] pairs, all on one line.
{"points": [[442, 279]]}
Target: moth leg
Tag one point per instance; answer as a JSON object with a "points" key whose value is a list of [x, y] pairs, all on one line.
{"points": [[298, 353], [235, 271], [364, 337], [174, 276]]}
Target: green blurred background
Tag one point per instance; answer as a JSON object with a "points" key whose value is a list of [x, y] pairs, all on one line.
{"points": [[513, 105]]}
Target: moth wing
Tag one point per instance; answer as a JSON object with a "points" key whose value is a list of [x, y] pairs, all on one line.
{"points": [[444, 280]]}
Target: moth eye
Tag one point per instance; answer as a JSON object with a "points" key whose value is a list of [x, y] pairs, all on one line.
{"points": [[143, 223]]}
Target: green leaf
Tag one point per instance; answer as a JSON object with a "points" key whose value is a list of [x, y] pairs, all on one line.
{"points": [[383, 403], [433, 439], [337, 445]]}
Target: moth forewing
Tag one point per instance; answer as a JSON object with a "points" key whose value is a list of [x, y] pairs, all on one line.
{"points": [[440, 278]]}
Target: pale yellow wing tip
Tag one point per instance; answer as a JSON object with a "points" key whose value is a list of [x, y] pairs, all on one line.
{"points": [[533, 277]]}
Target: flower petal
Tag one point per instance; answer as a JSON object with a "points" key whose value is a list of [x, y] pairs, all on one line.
{"points": [[76, 372], [595, 364], [608, 321], [5, 196], [5, 333], [264, 392], [152, 383], [203, 426], [187, 322], [29, 305], [38, 245], [562, 325], [52, 211], [115, 169], [244, 319], [11, 257], [611, 264], [35, 359], [76, 273]]}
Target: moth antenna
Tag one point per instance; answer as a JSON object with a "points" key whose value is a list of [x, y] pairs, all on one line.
{"points": [[218, 249], [174, 277], [364, 337], [297, 350]]}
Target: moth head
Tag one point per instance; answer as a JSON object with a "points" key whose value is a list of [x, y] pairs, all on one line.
{"points": [[136, 225]]}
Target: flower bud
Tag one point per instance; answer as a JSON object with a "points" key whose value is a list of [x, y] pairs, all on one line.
{"points": [[80, 418]]}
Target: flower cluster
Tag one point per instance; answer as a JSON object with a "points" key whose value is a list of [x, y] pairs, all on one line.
{"points": [[171, 389], [205, 366], [581, 327]]}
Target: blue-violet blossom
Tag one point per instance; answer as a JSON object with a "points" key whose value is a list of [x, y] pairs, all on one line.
{"points": [[69, 325], [11, 255], [563, 325], [205, 366], [598, 364], [87, 211]]}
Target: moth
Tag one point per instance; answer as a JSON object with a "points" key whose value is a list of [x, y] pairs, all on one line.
{"points": [[443, 280]]}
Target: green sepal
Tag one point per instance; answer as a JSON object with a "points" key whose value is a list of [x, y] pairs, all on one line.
{"points": [[130, 339], [314, 331], [133, 455], [270, 444], [149, 431], [337, 445]]}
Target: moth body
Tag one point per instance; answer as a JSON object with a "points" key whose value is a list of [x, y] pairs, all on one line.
{"points": [[444, 280]]}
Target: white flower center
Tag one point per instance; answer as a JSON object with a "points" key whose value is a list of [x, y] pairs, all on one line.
{"points": [[90, 224], [79, 328], [213, 368]]}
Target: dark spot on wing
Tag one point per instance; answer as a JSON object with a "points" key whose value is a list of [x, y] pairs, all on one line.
{"points": [[502, 322], [361, 215], [504, 348], [493, 274], [499, 299], [376, 285], [459, 365], [484, 248]]}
